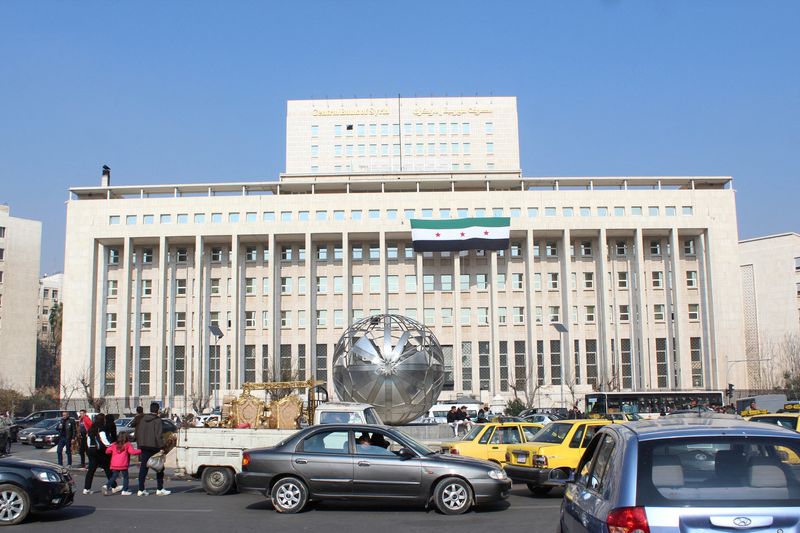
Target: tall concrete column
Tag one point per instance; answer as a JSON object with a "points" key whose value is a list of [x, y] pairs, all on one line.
{"points": [[640, 356], [382, 266], [567, 362], [603, 320], [161, 383], [683, 370], [98, 377], [457, 388], [494, 351], [135, 317], [311, 305], [199, 363], [123, 367], [531, 373], [237, 299], [275, 307], [710, 379]]}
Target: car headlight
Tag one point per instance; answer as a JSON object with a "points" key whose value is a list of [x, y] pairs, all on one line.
{"points": [[46, 475], [499, 475]]}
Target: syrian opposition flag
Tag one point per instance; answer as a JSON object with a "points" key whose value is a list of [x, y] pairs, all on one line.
{"points": [[450, 235]]}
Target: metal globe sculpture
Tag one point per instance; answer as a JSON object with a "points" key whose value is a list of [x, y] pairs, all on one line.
{"points": [[392, 362]]}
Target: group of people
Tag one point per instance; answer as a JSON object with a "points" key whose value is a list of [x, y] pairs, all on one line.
{"points": [[105, 448], [458, 417]]}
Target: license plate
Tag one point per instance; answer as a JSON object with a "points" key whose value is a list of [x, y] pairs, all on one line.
{"points": [[39, 440], [521, 459]]}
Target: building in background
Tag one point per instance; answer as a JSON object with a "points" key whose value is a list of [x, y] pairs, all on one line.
{"points": [[642, 271], [47, 359], [376, 135], [20, 249], [770, 269]]}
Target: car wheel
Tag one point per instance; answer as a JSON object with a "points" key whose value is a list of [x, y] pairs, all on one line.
{"points": [[289, 495], [452, 496], [538, 491], [218, 480], [15, 504]]}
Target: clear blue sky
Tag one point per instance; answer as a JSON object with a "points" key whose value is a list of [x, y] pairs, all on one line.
{"points": [[192, 91]]}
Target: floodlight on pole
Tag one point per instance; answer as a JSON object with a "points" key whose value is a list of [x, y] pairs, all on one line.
{"points": [[561, 329]]}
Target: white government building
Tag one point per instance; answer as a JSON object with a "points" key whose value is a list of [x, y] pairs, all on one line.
{"points": [[642, 271]]}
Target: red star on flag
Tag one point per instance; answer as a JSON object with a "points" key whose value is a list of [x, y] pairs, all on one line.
{"points": [[485, 232], [438, 234], [462, 233]]}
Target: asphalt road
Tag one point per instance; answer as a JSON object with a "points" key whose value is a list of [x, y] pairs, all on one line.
{"points": [[188, 508]]}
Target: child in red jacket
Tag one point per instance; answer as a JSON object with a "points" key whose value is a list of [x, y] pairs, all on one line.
{"points": [[120, 453]]}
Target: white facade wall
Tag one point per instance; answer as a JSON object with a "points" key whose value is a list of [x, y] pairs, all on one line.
{"points": [[375, 135], [770, 269], [128, 247], [50, 288], [20, 242]]}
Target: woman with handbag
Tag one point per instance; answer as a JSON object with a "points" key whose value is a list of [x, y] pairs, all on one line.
{"points": [[96, 444]]}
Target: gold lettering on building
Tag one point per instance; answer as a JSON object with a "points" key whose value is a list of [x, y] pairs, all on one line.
{"points": [[453, 112], [342, 112]]}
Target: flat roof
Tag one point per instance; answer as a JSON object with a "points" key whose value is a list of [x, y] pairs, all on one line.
{"points": [[690, 426], [400, 182]]}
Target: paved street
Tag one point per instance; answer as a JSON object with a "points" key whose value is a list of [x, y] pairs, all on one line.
{"points": [[188, 508]]}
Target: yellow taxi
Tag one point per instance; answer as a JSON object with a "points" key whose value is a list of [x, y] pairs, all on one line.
{"points": [[490, 441], [547, 461], [789, 418]]}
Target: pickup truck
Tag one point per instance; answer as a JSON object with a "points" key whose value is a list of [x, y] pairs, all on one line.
{"points": [[214, 455]]}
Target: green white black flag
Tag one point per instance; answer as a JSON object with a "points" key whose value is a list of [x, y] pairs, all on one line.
{"points": [[487, 233]]}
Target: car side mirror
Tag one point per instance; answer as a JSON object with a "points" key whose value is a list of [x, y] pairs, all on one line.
{"points": [[406, 453], [570, 477]]}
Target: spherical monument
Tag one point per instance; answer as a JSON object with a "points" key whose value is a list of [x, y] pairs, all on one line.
{"points": [[391, 362]]}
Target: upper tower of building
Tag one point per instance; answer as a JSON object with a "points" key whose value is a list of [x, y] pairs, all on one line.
{"points": [[376, 135]]}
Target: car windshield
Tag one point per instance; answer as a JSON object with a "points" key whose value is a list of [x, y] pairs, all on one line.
{"points": [[45, 423], [418, 447], [719, 471], [473, 432], [553, 433], [122, 422]]}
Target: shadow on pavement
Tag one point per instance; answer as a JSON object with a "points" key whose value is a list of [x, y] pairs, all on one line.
{"points": [[68, 513], [378, 507]]}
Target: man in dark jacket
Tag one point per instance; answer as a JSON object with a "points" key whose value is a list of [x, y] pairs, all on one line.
{"points": [[150, 441], [137, 418], [66, 434]]}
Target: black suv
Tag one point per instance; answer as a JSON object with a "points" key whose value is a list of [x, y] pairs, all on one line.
{"points": [[32, 485]]}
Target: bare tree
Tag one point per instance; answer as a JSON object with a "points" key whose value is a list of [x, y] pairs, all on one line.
{"points": [[68, 388], [200, 402]]}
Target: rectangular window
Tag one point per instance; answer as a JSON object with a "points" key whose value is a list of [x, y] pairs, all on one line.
{"points": [[249, 319], [658, 279], [554, 312], [502, 317], [180, 320], [691, 279], [622, 280], [694, 312], [697, 361], [590, 314], [538, 314], [588, 280], [286, 319], [322, 284], [286, 285], [661, 363], [358, 253], [429, 316], [658, 312], [466, 314], [655, 248], [688, 247], [374, 284], [322, 318], [322, 253], [147, 287], [111, 321], [250, 286], [555, 362], [625, 356], [624, 313], [428, 283], [552, 281], [519, 314], [482, 281], [591, 361], [358, 284], [111, 289], [301, 284]]}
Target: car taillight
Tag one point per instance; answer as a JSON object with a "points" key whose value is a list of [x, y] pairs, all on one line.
{"points": [[245, 460], [540, 461], [453, 451], [628, 520]]}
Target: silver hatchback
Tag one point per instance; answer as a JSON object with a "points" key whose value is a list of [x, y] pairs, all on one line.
{"points": [[686, 474]]}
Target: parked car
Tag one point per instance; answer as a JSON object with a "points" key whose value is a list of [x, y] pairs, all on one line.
{"points": [[36, 417], [25, 436], [681, 474], [540, 418], [548, 460], [367, 462], [32, 485], [45, 437], [123, 421], [490, 441]]}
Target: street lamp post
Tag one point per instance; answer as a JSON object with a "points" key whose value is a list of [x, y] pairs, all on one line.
{"points": [[561, 329]]}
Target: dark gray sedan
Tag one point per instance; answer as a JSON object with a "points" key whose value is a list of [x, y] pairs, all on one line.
{"points": [[365, 462]]}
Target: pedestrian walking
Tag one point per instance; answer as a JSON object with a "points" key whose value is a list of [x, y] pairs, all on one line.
{"points": [[150, 440], [84, 423], [96, 444], [120, 453], [137, 418], [111, 428], [66, 434]]}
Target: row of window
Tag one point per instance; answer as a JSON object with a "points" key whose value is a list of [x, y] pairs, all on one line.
{"points": [[621, 248], [394, 214], [430, 283], [431, 317], [374, 150], [409, 128]]}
